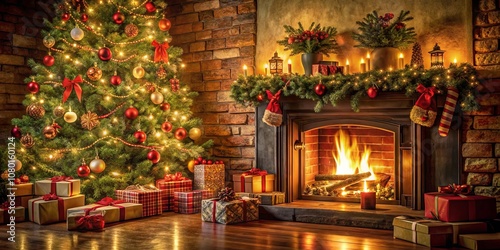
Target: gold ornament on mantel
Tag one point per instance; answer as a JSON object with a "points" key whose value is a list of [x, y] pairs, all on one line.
{"points": [[94, 73], [27, 141], [89, 120], [35, 110]]}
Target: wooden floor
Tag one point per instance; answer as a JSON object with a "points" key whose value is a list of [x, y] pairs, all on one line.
{"points": [[187, 231]]}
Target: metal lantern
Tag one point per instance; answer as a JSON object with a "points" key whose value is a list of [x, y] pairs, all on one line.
{"points": [[437, 58], [276, 64]]}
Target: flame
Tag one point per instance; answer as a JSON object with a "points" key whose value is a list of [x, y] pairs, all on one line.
{"points": [[348, 156]]}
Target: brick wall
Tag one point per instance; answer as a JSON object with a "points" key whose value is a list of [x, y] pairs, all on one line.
{"points": [[218, 38], [20, 23], [481, 149]]}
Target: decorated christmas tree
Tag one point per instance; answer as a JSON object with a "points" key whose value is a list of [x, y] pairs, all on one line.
{"points": [[107, 104]]}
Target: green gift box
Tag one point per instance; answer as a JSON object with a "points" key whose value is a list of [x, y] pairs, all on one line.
{"points": [[480, 241], [230, 212], [425, 232]]}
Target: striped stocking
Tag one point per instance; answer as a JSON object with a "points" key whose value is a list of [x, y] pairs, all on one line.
{"points": [[449, 109]]}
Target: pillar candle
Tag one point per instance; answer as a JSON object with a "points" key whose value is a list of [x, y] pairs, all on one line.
{"points": [[347, 71], [362, 66], [289, 66], [368, 200], [245, 70], [368, 66], [401, 62]]}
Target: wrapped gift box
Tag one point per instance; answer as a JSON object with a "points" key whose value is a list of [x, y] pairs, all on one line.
{"points": [[253, 183], [325, 69], [167, 202], [23, 200], [454, 208], [230, 212], [187, 202], [272, 198], [19, 215], [475, 227], [21, 189], [429, 233], [61, 186], [206, 194], [480, 241], [113, 213], [50, 211], [150, 199], [209, 177], [168, 188], [82, 221]]}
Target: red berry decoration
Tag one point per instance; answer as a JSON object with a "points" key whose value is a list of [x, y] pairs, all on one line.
{"points": [[260, 97], [17, 181], [33, 87], [164, 24], [140, 136], [154, 156], [174, 84], [48, 60], [204, 162], [116, 80], [320, 89], [84, 17], [16, 132], [180, 134], [150, 7], [210, 162], [166, 127], [196, 162], [131, 113], [165, 106], [65, 16], [105, 54], [24, 178], [200, 159], [372, 92], [118, 17]]}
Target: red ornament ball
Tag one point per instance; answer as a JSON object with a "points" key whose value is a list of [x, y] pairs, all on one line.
{"points": [[33, 87], [84, 17], [210, 162], [16, 132], [118, 17], [140, 136], [166, 127], [48, 60], [105, 54], [320, 89], [165, 106], [116, 80], [154, 156], [65, 16], [372, 92], [180, 133], [164, 24], [150, 7], [131, 113], [260, 97], [83, 170], [17, 181], [24, 178]]}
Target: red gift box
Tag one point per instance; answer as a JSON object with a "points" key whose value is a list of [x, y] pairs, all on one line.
{"points": [[454, 208], [170, 184], [187, 202], [150, 199]]}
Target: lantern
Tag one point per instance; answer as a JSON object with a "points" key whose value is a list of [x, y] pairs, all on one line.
{"points": [[437, 58], [276, 64]]}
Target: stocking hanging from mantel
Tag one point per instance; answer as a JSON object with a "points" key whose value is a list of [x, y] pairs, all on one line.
{"points": [[273, 115], [424, 111]]}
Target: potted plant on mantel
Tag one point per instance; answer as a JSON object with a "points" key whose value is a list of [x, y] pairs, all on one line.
{"points": [[312, 43], [385, 37]]}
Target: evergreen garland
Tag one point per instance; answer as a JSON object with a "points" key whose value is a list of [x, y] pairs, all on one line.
{"points": [[354, 86]]}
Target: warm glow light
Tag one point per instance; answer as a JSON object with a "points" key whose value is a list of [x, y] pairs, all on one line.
{"points": [[365, 188], [183, 65], [107, 98], [344, 193], [289, 61], [42, 101], [347, 62], [51, 156], [348, 158], [116, 174], [150, 117], [66, 56], [368, 55], [158, 134], [245, 67], [104, 132], [266, 66], [400, 55], [455, 60], [362, 60]]}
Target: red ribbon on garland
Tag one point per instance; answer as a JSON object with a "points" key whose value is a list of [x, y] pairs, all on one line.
{"points": [[161, 53], [175, 177], [425, 100], [69, 85], [54, 180]]}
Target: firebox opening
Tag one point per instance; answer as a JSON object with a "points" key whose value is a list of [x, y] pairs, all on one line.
{"points": [[340, 161]]}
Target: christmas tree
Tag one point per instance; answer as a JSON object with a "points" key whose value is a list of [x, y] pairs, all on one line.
{"points": [[107, 103], [417, 59]]}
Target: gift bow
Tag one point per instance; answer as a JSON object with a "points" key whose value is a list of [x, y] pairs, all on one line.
{"points": [[175, 177], [108, 201], [255, 171], [425, 100], [69, 85], [456, 189], [274, 105], [50, 197], [161, 53], [90, 222], [227, 194], [61, 178], [141, 187]]}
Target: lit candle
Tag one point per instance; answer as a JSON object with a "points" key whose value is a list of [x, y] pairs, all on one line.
{"points": [[289, 66], [265, 68], [368, 199], [368, 66], [401, 61], [347, 71], [245, 70], [455, 61], [362, 66]]}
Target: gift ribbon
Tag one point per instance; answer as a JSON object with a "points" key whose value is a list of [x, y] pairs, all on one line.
{"points": [[108, 201], [49, 197], [425, 100], [456, 189], [161, 53], [69, 85], [175, 177], [90, 222], [54, 180]]}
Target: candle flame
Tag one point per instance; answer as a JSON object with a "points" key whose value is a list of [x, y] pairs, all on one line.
{"points": [[368, 55], [455, 60], [347, 62], [400, 55], [289, 61], [266, 66], [245, 67], [362, 60]]}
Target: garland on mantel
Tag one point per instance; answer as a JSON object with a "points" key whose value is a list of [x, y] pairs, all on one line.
{"points": [[250, 90]]}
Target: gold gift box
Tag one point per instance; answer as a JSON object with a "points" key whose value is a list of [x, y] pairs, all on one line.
{"points": [[112, 213], [19, 215], [209, 177], [479, 241], [21, 189], [474, 227], [47, 212], [425, 232], [253, 183], [63, 188]]}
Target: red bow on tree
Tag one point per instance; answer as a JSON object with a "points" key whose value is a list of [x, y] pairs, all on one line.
{"points": [[425, 100], [108, 201], [161, 53], [69, 85], [49, 197]]}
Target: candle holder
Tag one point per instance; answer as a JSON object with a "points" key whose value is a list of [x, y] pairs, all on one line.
{"points": [[368, 200]]}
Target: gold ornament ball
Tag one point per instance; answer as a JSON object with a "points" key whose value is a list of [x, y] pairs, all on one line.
{"points": [[195, 133], [18, 165], [131, 30], [138, 72], [49, 132], [157, 97], [27, 141], [94, 73], [5, 175], [49, 41], [191, 166], [70, 117], [58, 111], [97, 165], [77, 34], [35, 110]]}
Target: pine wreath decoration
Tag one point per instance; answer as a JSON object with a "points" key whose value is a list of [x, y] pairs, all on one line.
{"points": [[417, 59]]}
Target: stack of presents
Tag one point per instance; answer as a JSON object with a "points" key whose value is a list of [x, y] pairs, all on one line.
{"points": [[58, 199], [453, 217]]}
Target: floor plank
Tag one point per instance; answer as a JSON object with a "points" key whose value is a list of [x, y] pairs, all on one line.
{"points": [[187, 231]]}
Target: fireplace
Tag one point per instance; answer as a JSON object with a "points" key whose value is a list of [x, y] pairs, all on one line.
{"points": [[402, 160]]}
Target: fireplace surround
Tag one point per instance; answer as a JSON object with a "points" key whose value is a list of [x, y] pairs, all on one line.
{"points": [[422, 159]]}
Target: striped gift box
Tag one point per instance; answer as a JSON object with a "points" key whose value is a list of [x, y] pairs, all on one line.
{"points": [[187, 202], [150, 200]]}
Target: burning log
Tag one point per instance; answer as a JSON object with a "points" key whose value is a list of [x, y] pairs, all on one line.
{"points": [[347, 182], [333, 177]]}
